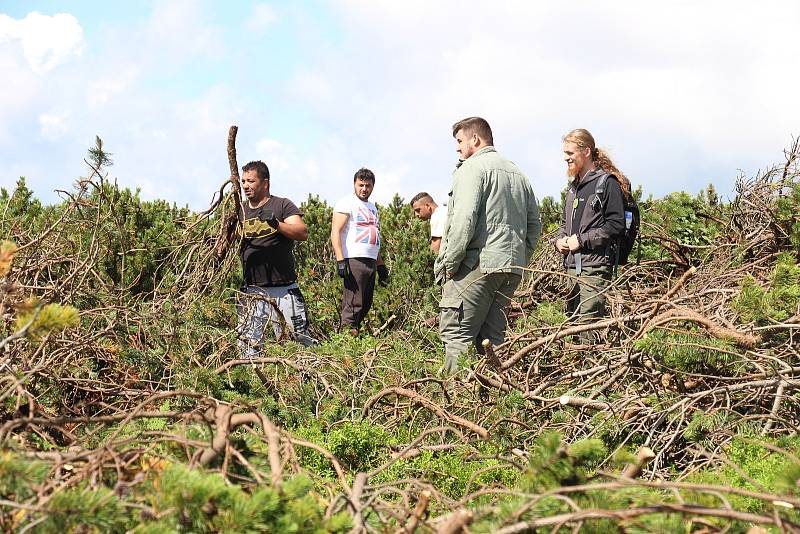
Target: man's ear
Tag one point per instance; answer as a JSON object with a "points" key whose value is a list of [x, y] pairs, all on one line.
{"points": [[476, 139]]}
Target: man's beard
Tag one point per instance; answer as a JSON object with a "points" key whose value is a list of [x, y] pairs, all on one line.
{"points": [[571, 174]]}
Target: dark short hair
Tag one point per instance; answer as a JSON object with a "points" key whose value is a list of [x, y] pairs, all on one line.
{"points": [[475, 125], [262, 171], [364, 174], [420, 196]]}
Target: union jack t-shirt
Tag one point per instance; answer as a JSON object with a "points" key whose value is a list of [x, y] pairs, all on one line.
{"points": [[361, 237]]}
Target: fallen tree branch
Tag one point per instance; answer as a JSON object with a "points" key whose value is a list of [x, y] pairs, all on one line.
{"points": [[745, 341], [416, 514], [231, 222], [456, 522], [427, 403], [631, 513]]}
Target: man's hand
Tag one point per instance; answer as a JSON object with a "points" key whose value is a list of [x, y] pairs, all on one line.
{"points": [[270, 219], [561, 246], [383, 275], [573, 243], [343, 268]]}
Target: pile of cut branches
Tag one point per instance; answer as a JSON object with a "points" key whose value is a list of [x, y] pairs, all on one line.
{"points": [[121, 378]]}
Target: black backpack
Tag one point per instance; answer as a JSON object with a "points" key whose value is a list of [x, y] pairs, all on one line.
{"points": [[624, 243]]}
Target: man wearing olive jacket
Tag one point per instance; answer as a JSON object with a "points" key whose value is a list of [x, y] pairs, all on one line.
{"points": [[492, 228]]}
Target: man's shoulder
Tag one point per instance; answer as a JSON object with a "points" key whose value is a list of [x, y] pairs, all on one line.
{"points": [[609, 177], [601, 180], [283, 206], [280, 201], [492, 160], [503, 163], [344, 204], [437, 221]]}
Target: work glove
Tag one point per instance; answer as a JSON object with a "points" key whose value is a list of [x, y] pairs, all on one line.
{"points": [[342, 268], [383, 275], [270, 219]]}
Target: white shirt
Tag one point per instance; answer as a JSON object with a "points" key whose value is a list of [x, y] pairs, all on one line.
{"points": [[438, 218], [361, 237]]}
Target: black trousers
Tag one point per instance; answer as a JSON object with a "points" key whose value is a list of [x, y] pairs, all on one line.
{"points": [[359, 287]]}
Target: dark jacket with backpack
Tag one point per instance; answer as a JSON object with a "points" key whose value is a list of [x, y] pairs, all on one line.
{"points": [[597, 220]]}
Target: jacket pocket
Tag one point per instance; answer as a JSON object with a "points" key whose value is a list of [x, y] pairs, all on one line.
{"points": [[451, 296], [454, 302]]}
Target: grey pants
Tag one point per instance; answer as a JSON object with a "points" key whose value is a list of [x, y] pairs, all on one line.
{"points": [[359, 288], [473, 308], [277, 306], [587, 299]]}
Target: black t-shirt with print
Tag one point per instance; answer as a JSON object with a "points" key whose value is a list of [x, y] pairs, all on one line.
{"points": [[267, 257]]}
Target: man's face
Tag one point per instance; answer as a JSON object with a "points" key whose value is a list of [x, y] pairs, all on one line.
{"points": [[254, 189], [467, 143], [575, 157], [363, 188], [422, 209]]}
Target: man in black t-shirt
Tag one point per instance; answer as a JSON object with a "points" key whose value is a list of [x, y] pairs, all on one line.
{"points": [[270, 226]]}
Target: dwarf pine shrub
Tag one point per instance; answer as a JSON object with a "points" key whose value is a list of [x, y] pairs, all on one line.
{"points": [[690, 351], [778, 301]]}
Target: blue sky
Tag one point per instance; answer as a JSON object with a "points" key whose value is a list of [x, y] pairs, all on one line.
{"points": [[681, 93]]}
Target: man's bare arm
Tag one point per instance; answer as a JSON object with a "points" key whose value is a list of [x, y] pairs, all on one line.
{"points": [[337, 225], [294, 228]]}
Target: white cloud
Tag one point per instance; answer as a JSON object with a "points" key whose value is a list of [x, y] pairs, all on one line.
{"points": [[53, 126], [315, 87], [178, 31], [20, 87], [682, 93], [714, 81], [311, 169], [105, 89], [296, 174], [169, 143], [262, 16], [47, 41], [278, 157], [268, 146]]}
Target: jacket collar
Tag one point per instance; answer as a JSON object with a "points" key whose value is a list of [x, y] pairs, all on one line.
{"points": [[484, 150], [590, 177]]}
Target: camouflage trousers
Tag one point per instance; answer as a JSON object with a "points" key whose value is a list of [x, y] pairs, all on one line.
{"points": [[282, 308]]}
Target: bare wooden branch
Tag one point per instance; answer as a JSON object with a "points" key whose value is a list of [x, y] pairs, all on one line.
{"points": [[456, 522], [438, 410], [643, 457], [417, 514]]}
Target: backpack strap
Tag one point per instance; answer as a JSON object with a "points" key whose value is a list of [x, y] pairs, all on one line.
{"points": [[600, 186], [600, 191]]}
